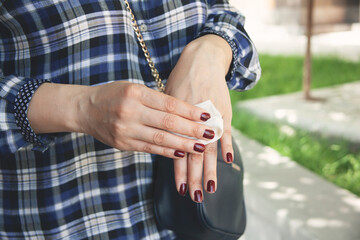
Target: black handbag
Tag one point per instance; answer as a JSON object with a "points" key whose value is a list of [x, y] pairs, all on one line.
{"points": [[221, 216]]}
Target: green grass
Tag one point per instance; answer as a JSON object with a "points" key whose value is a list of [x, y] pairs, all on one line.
{"points": [[283, 74], [334, 160]]}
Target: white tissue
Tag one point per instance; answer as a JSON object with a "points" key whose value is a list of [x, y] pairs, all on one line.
{"points": [[215, 122]]}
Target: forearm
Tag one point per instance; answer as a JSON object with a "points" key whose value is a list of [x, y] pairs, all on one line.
{"points": [[56, 108]]}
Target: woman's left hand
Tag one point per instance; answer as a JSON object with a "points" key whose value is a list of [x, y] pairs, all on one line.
{"points": [[198, 76]]}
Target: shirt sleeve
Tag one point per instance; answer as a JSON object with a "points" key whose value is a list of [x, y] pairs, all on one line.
{"points": [[15, 130], [226, 22]]}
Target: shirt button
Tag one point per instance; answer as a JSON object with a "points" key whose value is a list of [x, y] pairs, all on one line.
{"points": [[143, 27]]}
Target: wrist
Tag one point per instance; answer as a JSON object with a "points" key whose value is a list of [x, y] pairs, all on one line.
{"points": [[216, 47], [56, 108]]}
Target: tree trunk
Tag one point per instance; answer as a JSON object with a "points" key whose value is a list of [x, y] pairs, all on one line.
{"points": [[307, 61]]}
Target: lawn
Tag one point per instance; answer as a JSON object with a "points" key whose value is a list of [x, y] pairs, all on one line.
{"points": [[282, 74], [334, 160]]}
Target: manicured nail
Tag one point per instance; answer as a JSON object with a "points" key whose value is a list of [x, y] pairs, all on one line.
{"points": [[198, 196], [211, 186], [183, 189], [229, 157], [179, 154], [209, 134], [199, 147], [205, 116]]}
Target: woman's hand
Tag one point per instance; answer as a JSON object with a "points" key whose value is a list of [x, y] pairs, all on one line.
{"points": [[198, 76], [123, 115]]}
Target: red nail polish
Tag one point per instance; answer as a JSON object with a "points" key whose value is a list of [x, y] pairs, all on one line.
{"points": [[205, 116], [229, 157], [199, 147], [183, 189], [211, 186], [209, 134], [198, 196], [179, 154]]}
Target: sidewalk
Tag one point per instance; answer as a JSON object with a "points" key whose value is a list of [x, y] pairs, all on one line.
{"points": [[284, 201], [337, 115]]}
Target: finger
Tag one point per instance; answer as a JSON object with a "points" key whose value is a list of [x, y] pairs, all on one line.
{"points": [[194, 171], [180, 169], [226, 143], [210, 161], [169, 140], [141, 146], [177, 124], [166, 103]]}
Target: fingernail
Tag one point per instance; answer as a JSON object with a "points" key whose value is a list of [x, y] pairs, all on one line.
{"points": [[211, 186], [183, 188], [179, 154], [198, 196], [199, 147], [209, 134], [205, 116], [229, 157]]}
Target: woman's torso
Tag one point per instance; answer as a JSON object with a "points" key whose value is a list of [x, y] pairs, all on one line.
{"points": [[80, 188]]}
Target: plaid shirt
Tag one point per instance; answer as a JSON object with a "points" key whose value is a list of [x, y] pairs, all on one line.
{"points": [[78, 187]]}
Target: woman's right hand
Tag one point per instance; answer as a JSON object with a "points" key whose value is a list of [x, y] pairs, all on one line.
{"points": [[131, 117]]}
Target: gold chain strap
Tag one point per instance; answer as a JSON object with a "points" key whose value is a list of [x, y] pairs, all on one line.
{"points": [[154, 71]]}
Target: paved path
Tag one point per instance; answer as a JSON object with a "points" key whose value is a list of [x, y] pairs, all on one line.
{"points": [[287, 202], [336, 115]]}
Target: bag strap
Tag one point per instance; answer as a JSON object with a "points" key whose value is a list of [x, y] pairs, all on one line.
{"points": [[154, 71]]}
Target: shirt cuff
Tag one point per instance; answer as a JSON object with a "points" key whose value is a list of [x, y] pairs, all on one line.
{"points": [[22, 102]]}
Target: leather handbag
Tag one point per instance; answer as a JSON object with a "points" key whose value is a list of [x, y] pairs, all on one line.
{"points": [[221, 215]]}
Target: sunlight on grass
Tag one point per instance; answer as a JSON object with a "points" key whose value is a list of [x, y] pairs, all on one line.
{"points": [[283, 74], [334, 160]]}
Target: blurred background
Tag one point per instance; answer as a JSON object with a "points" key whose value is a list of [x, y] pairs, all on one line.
{"points": [[299, 128]]}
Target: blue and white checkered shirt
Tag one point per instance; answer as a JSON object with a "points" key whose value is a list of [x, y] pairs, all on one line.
{"points": [[77, 187]]}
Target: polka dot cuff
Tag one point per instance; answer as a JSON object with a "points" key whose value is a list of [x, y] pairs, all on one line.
{"points": [[21, 107]]}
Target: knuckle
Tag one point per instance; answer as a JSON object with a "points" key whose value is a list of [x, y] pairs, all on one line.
{"points": [[147, 148], [170, 104], [196, 158], [122, 145], [195, 183], [184, 144], [193, 113], [165, 152], [227, 131], [211, 174], [158, 138], [132, 90], [120, 128], [123, 111], [228, 146], [211, 148], [168, 122], [197, 132], [180, 175], [118, 131]]}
